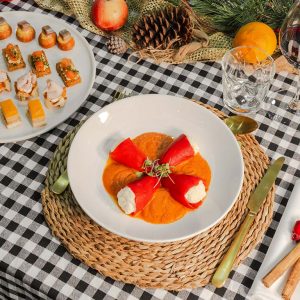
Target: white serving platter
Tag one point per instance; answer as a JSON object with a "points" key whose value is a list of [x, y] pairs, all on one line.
{"points": [[81, 55]]}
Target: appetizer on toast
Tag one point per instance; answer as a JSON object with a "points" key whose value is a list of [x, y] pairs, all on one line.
{"points": [[47, 37], [55, 95], [36, 113], [25, 32], [67, 71], [5, 29], [10, 114], [13, 57], [26, 87], [65, 41], [39, 63], [4, 82]]}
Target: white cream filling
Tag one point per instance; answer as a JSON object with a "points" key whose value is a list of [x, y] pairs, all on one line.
{"points": [[194, 146], [25, 83], [196, 193], [3, 76], [126, 200]]}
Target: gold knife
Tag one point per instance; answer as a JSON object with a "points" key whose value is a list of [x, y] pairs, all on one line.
{"points": [[256, 200]]}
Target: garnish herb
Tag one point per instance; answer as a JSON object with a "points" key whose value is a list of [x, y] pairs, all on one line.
{"points": [[41, 58], [155, 169], [13, 53], [70, 68]]}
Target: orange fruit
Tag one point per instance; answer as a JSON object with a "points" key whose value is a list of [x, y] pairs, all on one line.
{"points": [[256, 34]]}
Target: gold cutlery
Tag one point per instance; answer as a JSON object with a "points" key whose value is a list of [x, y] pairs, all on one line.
{"points": [[61, 183], [256, 200], [241, 124]]}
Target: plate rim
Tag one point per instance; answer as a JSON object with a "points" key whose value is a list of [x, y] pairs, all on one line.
{"points": [[186, 237], [93, 61]]}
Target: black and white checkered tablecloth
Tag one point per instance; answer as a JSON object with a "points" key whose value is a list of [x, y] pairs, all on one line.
{"points": [[33, 263]]}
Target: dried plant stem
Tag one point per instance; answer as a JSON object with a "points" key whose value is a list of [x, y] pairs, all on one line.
{"points": [[188, 49], [158, 54], [198, 23], [292, 281], [200, 35], [282, 266], [170, 55]]}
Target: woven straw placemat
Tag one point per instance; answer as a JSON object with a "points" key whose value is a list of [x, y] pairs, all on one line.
{"points": [[173, 266]]}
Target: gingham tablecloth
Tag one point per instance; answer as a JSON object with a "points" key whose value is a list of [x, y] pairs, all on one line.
{"points": [[33, 263]]}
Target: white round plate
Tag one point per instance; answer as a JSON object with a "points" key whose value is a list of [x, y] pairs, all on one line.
{"points": [[159, 113], [81, 55]]}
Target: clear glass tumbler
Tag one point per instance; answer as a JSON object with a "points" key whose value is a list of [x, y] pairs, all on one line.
{"points": [[247, 75]]}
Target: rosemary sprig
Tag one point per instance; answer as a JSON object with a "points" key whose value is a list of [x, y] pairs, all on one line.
{"points": [[228, 16]]}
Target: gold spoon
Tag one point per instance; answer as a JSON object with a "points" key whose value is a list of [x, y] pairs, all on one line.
{"points": [[237, 124], [241, 124]]}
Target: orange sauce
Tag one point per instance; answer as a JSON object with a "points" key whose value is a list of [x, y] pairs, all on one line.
{"points": [[162, 208]]}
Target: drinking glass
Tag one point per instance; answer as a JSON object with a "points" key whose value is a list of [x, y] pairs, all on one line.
{"points": [[247, 75], [289, 42]]}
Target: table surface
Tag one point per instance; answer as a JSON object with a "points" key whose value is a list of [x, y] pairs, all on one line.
{"points": [[34, 264]]}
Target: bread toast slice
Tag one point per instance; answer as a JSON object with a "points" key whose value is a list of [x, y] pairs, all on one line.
{"points": [[10, 65], [41, 59], [62, 70]]}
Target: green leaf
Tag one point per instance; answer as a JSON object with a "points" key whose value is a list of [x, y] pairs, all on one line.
{"points": [[228, 16]]}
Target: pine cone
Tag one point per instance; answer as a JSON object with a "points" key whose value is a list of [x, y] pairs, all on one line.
{"points": [[159, 29], [116, 45]]}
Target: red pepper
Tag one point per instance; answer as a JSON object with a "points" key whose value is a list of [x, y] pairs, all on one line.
{"points": [[128, 154], [179, 151], [178, 185], [296, 232], [143, 189]]}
